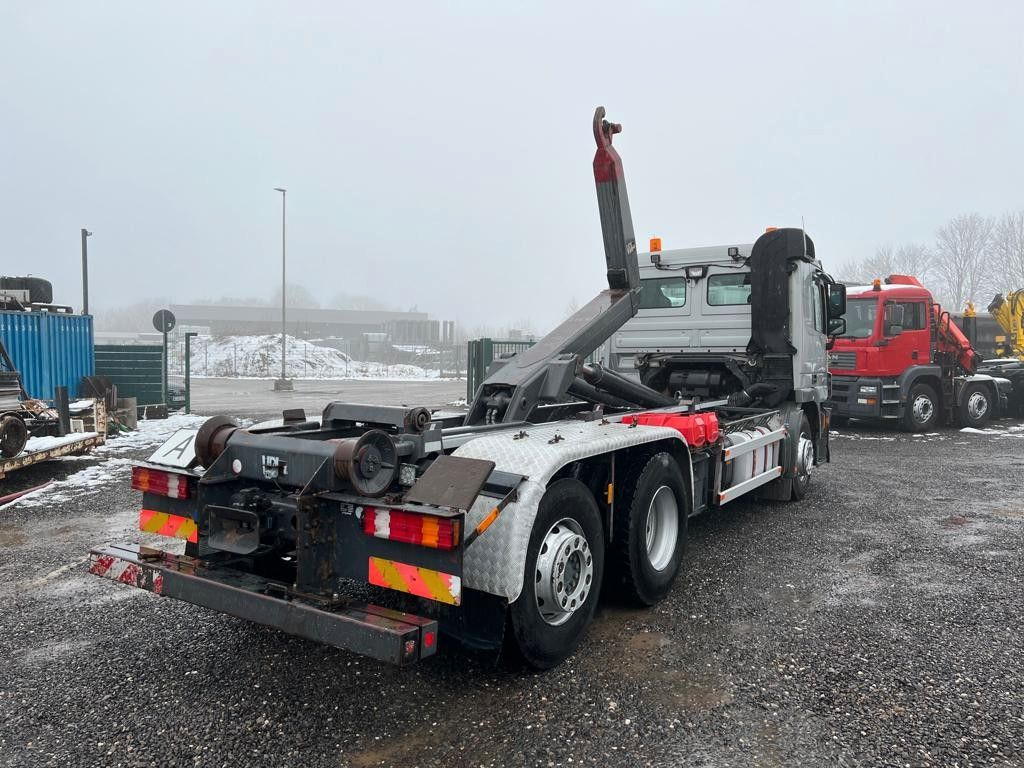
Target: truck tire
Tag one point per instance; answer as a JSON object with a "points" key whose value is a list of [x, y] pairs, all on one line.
{"points": [[975, 409], [804, 460], [13, 436], [649, 530], [922, 409], [562, 582]]}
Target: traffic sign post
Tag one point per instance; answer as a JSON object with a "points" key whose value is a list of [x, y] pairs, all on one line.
{"points": [[164, 322]]}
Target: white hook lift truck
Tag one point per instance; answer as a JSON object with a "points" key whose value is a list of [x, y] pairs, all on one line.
{"points": [[498, 528]]}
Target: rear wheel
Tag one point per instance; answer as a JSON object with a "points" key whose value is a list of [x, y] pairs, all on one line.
{"points": [[922, 409], [13, 436], [650, 530], [975, 409], [562, 582]]}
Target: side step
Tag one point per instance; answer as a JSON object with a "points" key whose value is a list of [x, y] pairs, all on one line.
{"points": [[369, 630]]}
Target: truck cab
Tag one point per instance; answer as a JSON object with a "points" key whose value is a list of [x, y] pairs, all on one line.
{"points": [[901, 360], [695, 311]]}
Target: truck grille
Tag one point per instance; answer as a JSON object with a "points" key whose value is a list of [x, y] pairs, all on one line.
{"points": [[844, 361]]}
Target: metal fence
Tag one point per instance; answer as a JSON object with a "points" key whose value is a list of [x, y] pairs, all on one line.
{"points": [[136, 370], [481, 353]]}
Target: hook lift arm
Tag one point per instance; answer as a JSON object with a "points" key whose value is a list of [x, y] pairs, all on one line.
{"points": [[549, 370]]}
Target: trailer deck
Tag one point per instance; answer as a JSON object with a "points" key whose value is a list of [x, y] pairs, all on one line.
{"points": [[53, 448]]}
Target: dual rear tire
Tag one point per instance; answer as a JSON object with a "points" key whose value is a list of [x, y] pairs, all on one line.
{"points": [[567, 556]]}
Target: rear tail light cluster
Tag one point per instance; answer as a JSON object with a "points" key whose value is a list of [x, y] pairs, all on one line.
{"points": [[408, 527], [169, 484]]}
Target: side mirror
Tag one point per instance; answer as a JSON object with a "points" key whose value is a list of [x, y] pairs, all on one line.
{"points": [[836, 301], [892, 330]]}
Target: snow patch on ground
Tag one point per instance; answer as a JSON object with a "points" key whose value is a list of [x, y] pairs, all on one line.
{"points": [[85, 482], [259, 357]]}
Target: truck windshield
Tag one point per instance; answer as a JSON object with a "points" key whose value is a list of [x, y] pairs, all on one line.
{"points": [[860, 317]]}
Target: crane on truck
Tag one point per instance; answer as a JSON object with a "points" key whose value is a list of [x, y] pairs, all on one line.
{"points": [[902, 360], [499, 526]]}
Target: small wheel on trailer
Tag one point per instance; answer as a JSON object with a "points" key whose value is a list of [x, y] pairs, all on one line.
{"points": [[650, 530], [804, 460], [922, 408], [975, 407], [562, 582], [13, 436]]}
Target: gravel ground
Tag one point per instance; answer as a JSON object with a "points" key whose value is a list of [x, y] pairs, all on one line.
{"points": [[878, 622]]}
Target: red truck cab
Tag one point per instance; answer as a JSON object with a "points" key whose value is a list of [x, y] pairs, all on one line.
{"points": [[902, 360]]}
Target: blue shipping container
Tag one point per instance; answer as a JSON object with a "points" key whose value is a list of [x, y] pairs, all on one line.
{"points": [[50, 350]]}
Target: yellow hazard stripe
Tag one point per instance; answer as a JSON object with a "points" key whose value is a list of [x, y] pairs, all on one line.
{"points": [[413, 580], [166, 524]]}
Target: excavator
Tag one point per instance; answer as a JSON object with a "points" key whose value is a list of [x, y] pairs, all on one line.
{"points": [[1008, 311]]}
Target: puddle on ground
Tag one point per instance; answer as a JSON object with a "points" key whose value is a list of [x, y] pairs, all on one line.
{"points": [[646, 656], [691, 690], [11, 537]]}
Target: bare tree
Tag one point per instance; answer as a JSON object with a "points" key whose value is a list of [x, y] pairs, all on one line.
{"points": [[881, 264], [1008, 251], [854, 273], [914, 259], [962, 262], [906, 259]]}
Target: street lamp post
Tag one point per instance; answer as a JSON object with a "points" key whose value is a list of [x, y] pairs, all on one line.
{"points": [[283, 384], [85, 271]]}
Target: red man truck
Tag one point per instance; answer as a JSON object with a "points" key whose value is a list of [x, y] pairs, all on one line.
{"points": [[903, 361]]}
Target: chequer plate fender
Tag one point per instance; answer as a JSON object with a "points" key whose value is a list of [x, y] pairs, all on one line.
{"points": [[496, 561]]}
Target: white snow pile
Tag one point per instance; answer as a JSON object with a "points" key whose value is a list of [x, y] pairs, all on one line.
{"points": [[259, 357]]}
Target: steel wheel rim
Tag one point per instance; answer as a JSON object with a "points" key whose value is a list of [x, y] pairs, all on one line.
{"points": [[977, 406], [923, 408], [564, 575], [661, 529], [805, 458]]}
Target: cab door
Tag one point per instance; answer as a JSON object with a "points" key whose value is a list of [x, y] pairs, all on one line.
{"points": [[905, 334]]}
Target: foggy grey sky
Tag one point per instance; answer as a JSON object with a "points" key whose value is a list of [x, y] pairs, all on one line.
{"points": [[439, 154]]}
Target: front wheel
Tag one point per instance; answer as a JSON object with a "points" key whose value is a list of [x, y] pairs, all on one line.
{"points": [[922, 409], [562, 581], [804, 460], [975, 407]]}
